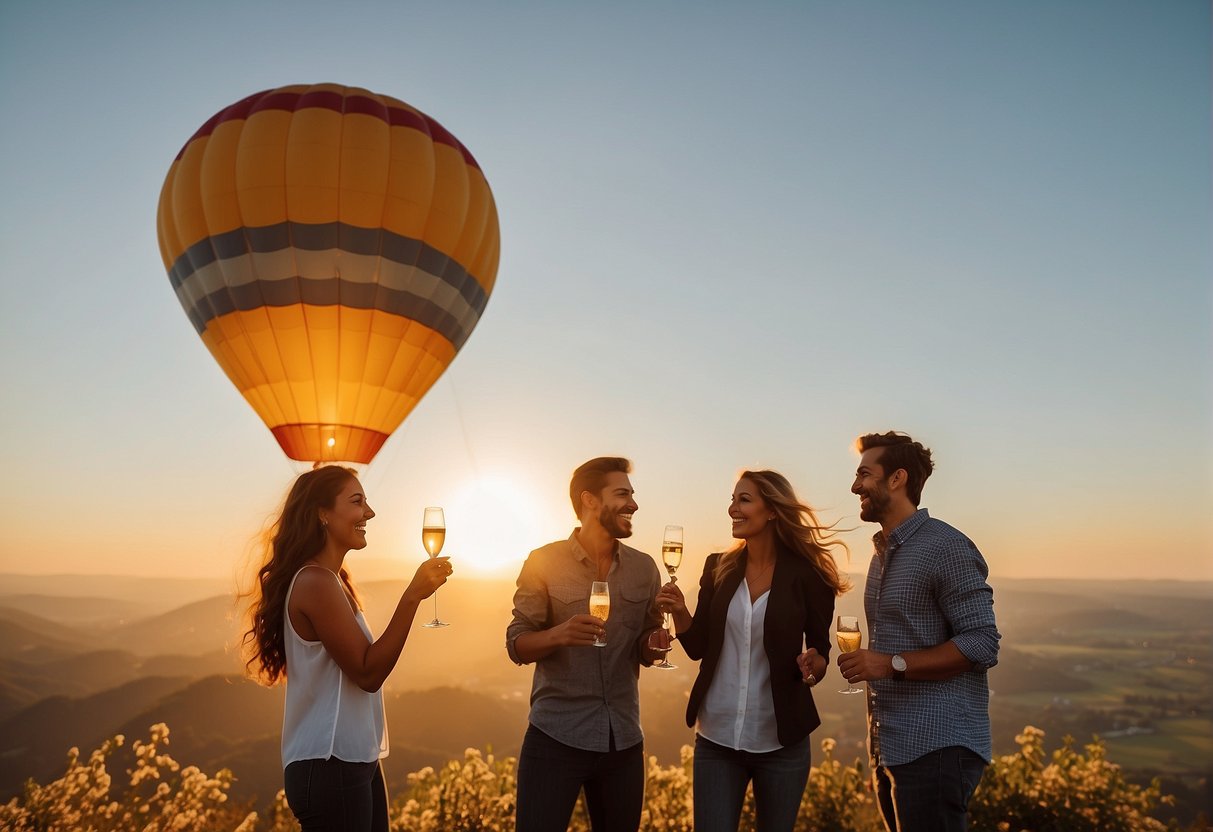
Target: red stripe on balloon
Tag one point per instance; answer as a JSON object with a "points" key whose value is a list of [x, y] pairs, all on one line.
{"points": [[329, 100]]}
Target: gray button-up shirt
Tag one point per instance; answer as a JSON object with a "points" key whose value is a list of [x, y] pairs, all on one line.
{"points": [[581, 694], [929, 586]]}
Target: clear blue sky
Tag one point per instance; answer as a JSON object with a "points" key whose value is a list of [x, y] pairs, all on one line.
{"points": [[732, 235]]}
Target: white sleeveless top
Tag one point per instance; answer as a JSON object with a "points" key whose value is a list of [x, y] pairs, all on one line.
{"points": [[326, 714]]}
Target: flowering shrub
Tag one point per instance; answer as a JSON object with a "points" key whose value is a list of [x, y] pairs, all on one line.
{"points": [[160, 796], [1023, 792], [837, 797], [475, 795], [1072, 792], [668, 804]]}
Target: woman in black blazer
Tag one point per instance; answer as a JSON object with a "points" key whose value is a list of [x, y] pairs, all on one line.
{"points": [[759, 604]]}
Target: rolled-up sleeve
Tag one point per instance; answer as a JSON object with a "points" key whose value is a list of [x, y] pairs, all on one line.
{"points": [[967, 602], [530, 606]]}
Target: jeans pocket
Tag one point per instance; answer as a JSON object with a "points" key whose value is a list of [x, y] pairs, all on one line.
{"points": [[972, 767], [297, 783]]}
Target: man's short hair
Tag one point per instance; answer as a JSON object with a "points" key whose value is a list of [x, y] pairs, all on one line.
{"points": [[900, 451], [591, 476]]}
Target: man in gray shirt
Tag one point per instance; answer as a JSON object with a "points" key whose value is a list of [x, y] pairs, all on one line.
{"points": [[584, 730]]}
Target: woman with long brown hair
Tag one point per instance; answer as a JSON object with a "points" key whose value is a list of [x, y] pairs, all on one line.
{"points": [[759, 604], [307, 628]]}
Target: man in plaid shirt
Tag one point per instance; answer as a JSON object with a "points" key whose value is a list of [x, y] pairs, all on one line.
{"points": [[932, 637]]}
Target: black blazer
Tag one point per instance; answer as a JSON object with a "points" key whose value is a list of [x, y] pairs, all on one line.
{"points": [[799, 610]]}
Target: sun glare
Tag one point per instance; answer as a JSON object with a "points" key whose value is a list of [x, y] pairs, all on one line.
{"points": [[493, 522]]}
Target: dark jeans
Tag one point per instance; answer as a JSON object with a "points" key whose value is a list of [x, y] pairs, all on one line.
{"points": [[721, 776], [551, 774], [930, 794], [335, 796]]}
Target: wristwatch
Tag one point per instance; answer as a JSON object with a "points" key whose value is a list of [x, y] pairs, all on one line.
{"points": [[899, 668]]}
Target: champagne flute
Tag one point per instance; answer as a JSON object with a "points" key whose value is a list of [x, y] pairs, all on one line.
{"points": [[671, 556], [433, 535], [849, 640], [600, 606]]}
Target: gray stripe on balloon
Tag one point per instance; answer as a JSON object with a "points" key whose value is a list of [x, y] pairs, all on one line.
{"points": [[405, 278], [330, 292], [374, 242]]}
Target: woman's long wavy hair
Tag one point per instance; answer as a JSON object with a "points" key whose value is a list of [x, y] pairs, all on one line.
{"points": [[796, 530], [295, 537]]}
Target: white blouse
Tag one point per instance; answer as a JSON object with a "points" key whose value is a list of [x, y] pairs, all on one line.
{"points": [[326, 714], [738, 711]]}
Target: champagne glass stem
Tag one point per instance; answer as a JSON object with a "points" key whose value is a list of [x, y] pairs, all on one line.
{"points": [[667, 621]]}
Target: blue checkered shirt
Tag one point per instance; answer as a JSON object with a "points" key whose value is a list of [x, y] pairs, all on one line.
{"points": [[927, 585]]}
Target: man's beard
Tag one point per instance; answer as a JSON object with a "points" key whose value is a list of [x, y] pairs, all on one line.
{"points": [[878, 506], [609, 518]]}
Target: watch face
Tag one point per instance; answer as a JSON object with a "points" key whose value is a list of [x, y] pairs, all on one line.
{"points": [[899, 664]]}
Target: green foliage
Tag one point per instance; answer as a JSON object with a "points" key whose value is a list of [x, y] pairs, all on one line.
{"points": [[1067, 791], [1070, 792]]}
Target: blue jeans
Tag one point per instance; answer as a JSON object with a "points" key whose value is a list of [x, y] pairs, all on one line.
{"points": [[721, 776], [930, 794], [552, 774], [335, 796]]}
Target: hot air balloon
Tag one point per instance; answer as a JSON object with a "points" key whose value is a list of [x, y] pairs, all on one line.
{"points": [[334, 249]]}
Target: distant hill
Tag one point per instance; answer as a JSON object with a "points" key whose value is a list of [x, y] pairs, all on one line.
{"points": [[13, 695], [78, 674], [1019, 672], [157, 594], [1104, 589], [79, 611], [34, 741], [84, 674], [193, 629], [24, 636], [1103, 619], [445, 719]]}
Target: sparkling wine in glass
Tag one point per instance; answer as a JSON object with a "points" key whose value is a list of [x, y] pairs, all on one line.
{"points": [[671, 556], [433, 535], [600, 606], [849, 640]]}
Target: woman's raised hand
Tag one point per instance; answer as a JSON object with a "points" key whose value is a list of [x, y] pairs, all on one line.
{"points": [[670, 599], [430, 575]]}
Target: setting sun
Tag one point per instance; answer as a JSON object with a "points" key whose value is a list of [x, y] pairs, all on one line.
{"points": [[494, 521]]}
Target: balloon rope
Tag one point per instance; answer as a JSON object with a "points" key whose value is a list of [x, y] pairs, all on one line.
{"points": [[467, 443]]}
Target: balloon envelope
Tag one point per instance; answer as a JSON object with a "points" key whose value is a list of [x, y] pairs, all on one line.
{"points": [[334, 249]]}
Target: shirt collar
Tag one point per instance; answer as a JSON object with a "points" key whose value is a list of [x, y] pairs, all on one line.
{"points": [[900, 534], [580, 552]]}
